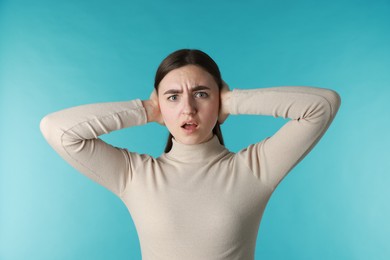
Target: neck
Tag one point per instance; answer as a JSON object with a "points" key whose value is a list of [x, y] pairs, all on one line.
{"points": [[195, 152]]}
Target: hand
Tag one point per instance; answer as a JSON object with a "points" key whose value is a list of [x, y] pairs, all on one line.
{"points": [[225, 95], [152, 108]]}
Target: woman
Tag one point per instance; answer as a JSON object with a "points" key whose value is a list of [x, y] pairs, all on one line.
{"points": [[197, 200]]}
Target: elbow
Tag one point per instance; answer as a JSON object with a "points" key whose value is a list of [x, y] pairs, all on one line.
{"points": [[44, 125], [49, 129], [333, 99], [335, 102]]}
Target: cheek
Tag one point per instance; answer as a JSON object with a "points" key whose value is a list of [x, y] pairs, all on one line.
{"points": [[215, 107], [212, 113], [168, 114]]}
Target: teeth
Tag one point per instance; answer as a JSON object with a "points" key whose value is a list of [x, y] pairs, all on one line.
{"points": [[188, 124]]}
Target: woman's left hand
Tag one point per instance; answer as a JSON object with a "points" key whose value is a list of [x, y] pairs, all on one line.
{"points": [[225, 95]]}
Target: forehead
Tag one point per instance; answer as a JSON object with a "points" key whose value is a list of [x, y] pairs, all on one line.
{"points": [[187, 76]]}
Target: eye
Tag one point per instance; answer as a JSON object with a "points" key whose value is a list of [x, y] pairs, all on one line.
{"points": [[172, 98], [201, 94]]}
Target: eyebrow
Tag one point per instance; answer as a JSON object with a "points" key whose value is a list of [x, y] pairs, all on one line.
{"points": [[177, 91]]}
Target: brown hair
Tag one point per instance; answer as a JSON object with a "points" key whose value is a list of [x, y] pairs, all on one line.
{"points": [[181, 58]]}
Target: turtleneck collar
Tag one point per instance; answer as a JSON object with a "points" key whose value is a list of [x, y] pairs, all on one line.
{"points": [[195, 152]]}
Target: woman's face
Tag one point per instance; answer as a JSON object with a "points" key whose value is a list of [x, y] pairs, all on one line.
{"points": [[189, 104]]}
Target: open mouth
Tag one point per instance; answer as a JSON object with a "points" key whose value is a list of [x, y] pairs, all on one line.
{"points": [[189, 126]]}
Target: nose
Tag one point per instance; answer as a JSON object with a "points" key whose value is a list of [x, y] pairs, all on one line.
{"points": [[189, 106]]}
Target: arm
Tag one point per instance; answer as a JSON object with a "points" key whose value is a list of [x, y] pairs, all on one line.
{"points": [[73, 133], [311, 111]]}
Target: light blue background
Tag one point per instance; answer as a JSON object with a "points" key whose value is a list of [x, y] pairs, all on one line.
{"points": [[57, 54]]}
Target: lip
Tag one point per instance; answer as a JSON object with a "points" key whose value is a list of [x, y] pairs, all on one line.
{"points": [[189, 122], [192, 129]]}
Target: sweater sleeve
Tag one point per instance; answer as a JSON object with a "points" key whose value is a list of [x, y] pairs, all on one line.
{"points": [[311, 111], [73, 133]]}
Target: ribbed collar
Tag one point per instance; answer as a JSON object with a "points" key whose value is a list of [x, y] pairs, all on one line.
{"points": [[196, 152]]}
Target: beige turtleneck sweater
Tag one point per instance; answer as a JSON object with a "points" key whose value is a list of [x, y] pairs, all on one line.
{"points": [[197, 202]]}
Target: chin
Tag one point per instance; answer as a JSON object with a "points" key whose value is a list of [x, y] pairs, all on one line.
{"points": [[190, 140]]}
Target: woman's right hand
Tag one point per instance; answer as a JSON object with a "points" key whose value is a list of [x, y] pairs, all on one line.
{"points": [[152, 108]]}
